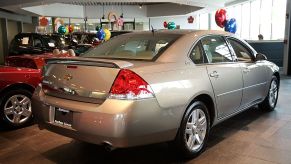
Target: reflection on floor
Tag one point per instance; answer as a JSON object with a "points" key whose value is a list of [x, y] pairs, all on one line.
{"points": [[251, 137]]}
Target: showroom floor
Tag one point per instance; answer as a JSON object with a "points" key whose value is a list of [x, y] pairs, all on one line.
{"points": [[251, 137]]}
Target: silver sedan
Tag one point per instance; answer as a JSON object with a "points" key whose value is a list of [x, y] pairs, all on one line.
{"points": [[148, 87]]}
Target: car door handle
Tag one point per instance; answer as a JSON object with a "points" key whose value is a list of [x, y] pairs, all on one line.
{"points": [[214, 74], [246, 70]]}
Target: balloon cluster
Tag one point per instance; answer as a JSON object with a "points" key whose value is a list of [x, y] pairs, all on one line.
{"points": [[103, 34], [169, 25], [222, 21], [65, 30]]}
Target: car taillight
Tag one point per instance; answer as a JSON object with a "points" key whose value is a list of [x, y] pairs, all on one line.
{"points": [[128, 85]]}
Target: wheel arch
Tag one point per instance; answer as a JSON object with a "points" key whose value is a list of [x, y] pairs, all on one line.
{"points": [[208, 101], [277, 76], [17, 86]]}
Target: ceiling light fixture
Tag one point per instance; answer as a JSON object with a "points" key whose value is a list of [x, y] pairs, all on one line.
{"points": [[140, 6]]}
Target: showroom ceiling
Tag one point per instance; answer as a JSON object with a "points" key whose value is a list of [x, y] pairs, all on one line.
{"points": [[179, 7], [95, 3]]}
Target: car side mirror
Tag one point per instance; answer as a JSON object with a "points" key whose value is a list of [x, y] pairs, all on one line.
{"points": [[260, 56]]}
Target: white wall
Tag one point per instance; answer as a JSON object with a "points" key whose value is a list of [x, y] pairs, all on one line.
{"points": [[12, 30], [157, 22], [169, 9]]}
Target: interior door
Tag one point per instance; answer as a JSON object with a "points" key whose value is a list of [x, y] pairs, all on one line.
{"points": [[224, 74], [254, 73]]}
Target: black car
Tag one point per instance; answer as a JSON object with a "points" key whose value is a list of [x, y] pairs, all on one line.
{"points": [[34, 43], [81, 42], [90, 38]]}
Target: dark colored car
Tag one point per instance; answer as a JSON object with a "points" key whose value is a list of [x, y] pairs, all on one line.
{"points": [[16, 88], [34, 43], [81, 42]]}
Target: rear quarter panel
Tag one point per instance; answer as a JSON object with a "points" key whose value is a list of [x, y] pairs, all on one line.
{"points": [[175, 85], [13, 76]]}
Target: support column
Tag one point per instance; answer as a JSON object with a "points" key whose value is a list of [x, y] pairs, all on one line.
{"points": [[4, 31], [287, 42], [53, 24], [20, 27]]}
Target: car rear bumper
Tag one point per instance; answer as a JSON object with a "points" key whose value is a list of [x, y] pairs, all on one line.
{"points": [[121, 123]]}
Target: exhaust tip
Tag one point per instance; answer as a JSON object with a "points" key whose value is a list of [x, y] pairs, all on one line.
{"points": [[108, 146]]}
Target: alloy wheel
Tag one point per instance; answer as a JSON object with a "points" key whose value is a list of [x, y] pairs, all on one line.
{"points": [[17, 109], [195, 131], [273, 93]]}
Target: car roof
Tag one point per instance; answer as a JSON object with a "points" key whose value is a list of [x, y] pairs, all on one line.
{"points": [[185, 31]]}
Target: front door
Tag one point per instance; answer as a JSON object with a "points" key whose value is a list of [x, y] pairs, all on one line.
{"points": [[254, 73], [224, 74]]}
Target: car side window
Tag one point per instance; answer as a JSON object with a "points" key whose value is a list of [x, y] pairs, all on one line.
{"points": [[37, 42], [23, 41], [242, 53], [216, 49], [197, 55]]}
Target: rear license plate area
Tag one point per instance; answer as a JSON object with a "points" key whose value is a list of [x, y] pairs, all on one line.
{"points": [[63, 117]]}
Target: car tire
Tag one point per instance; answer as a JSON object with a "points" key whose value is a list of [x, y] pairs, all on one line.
{"points": [[270, 101], [193, 133], [15, 108]]}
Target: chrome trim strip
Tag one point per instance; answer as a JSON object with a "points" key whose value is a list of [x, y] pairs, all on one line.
{"points": [[241, 89]]}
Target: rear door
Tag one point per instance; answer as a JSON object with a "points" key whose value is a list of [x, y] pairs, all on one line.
{"points": [[254, 73], [224, 74]]}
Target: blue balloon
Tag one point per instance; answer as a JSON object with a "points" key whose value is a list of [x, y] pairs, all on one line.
{"points": [[101, 34], [230, 25]]}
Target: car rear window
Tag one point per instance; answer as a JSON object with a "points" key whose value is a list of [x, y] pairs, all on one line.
{"points": [[55, 41], [133, 46]]}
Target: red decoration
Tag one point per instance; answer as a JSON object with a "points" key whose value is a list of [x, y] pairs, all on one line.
{"points": [[71, 29], [43, 21], [165, 24], [190, 19], [220, 17]]}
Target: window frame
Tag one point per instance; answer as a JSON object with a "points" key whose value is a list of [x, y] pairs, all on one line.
{"points": [[242, 44], [199, 44], [24, 36], [227, 44], [37, 37]]}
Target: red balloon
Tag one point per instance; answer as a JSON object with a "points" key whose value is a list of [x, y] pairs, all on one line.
{"points": [[220, 17], [71, 29], [43, 21], [165, 24]]}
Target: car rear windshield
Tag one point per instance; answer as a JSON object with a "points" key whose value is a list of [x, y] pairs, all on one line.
{"points": [[55, 41], [133, 46]]}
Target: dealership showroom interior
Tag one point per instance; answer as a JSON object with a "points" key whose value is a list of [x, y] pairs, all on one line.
{"points": [[145, 81]]}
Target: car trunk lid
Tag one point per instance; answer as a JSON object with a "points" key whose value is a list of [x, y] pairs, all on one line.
{"points": [[86, 80]]}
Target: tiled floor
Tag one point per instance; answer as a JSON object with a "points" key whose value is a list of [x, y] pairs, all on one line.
{"points": [[251, 137]]}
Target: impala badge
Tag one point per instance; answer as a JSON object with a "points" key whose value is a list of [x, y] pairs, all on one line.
{"points": [[68, 77]]}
